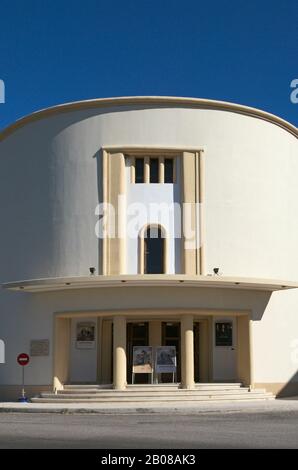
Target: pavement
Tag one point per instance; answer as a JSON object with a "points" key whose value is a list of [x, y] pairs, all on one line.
{"points": [[285, 404], [258, 425]]}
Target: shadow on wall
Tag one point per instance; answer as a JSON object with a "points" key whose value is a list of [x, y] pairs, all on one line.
{"points": [[290, 389], [260, 304], [280, 390]]}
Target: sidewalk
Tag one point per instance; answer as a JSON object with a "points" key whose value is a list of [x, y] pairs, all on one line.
{"points": [[285, 404]]}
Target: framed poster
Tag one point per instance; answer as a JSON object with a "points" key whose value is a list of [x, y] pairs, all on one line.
{"points": [[223, 334], [165, 359], [85, 335], [142, 360]]}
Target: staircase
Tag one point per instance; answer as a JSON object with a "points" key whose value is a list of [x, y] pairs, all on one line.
{"points": [[153, 394]]}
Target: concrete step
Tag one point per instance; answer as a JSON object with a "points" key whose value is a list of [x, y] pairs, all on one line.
{"points": [[150, 392], [145, 394], [128, 390], [88, 386], [148, 388], [115, 394], [249, 396], [167, 385]]}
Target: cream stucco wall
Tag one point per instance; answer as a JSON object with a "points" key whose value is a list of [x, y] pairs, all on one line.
{"points": [[31, 316], [55, 165], [51, 183], [145, 195]]}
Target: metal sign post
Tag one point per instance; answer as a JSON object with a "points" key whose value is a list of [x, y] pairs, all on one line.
{"points": [[23, 360]]}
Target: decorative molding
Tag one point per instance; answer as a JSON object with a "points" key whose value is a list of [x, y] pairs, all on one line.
{"points": [[156, 313], [149, 101], [141, 150], [149, 280]]}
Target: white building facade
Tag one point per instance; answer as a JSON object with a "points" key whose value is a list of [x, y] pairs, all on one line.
{"points": [[84, 184]]}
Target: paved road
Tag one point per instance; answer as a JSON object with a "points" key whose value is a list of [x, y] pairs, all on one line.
{"points": [[274, 429]]}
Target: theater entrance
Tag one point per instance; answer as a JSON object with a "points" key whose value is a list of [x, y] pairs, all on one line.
{"points": [[170, 335]]}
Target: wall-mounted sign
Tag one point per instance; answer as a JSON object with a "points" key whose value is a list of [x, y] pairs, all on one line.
{"points": [[165, 359], [223, 334], [85, 337], [39, 347], [142, 360]]}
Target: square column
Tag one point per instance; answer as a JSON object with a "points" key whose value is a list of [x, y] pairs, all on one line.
{"points": [[187, 352], [155, 338], [106, 352], [119, 353], [244, 350], [62, 332]]}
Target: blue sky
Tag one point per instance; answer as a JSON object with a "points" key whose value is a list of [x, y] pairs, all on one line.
{"points": [[241, 51]]}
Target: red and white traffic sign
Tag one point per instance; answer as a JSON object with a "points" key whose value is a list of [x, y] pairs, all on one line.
{"points": [[23, 359]]}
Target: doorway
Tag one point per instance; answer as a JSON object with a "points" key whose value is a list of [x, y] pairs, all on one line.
{"points": [[137, 335], [171, 337], [224, 352], [154, 242]]}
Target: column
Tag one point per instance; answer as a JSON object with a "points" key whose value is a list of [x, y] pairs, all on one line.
{"points": [[155, 337], [115, 194], [62, 331], [119, 353], [105, 346], [188, 194], [251, 356], [147, 170], [244, 351], [161, 162], [187, 352], [204, 351]]}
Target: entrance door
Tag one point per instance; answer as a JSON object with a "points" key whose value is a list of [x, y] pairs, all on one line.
{"points": [[171, 337], [224, 352], [137, 335]]}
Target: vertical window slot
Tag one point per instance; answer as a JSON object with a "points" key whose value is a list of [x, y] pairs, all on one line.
{"points": [[139, 170]]}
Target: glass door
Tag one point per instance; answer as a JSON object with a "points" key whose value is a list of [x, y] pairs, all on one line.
{"points": [[137, 335], [171, 337]]}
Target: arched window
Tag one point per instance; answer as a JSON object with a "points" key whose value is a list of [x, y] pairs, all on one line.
{"points": [[153, 250]]}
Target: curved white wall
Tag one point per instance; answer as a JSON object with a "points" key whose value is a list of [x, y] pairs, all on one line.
{"points": [[51, 184]]}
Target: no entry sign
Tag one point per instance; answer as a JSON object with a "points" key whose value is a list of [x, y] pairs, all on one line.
{"points": [[23, 359]]}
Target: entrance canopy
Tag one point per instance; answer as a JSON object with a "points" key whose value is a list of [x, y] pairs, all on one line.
{"points": [[170, 280]]}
